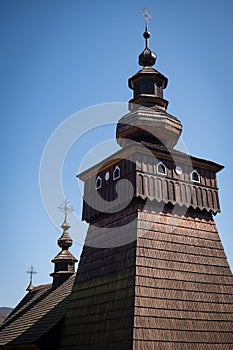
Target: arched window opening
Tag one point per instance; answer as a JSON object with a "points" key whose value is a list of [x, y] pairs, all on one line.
{"points": [[98, 183], [161, 169], [116, 173], [195, 177]]}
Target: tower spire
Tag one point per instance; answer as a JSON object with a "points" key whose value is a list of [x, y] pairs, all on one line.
{"points": [[148, 120], [64, 261]]}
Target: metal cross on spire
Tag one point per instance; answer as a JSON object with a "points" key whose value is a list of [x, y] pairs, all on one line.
{"points": [[31, 271], [66, 208], [145, 13]]}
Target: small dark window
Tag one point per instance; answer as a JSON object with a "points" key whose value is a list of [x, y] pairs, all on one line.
{"points": [[195, 176], [70, 267], [98, 183], [116, 173], [161, 169], [159, 92], [147, 87]]}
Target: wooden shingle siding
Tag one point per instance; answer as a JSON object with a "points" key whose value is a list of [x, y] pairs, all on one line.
{"points": [[181, 325], [185, 335], [181, 257], [170, 288], [183, 275], [181, 305], [176, 229], [100, 314], [166, 282], [181, 239], [172, 294], [183, 314], [163, 345], [183, 266], [183, 285], [181, 248]]}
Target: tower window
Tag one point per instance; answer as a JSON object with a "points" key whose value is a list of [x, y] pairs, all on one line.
{"points": [[116, 173], [161, 169], [195, 177], [159, 92], [98, 182]]}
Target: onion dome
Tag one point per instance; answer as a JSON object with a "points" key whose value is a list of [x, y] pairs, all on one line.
{"points": [[147, 58], [65, 240]]}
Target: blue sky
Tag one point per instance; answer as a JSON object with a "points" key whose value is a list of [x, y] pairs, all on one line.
{"points": [[59, 57]]}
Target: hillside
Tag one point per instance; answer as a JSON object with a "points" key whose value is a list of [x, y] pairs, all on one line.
{"points": [[4, 312]]}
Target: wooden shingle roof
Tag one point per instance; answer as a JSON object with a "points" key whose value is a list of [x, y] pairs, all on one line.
{"points": [[37, 313]]}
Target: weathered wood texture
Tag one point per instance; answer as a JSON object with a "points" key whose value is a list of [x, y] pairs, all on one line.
{"points": [[100, 314], [37, 319], [142, 180], [171, 288], [183, 285]]}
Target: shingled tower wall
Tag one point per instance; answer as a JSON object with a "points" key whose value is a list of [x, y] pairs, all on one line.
{"points": [[153, 273]]}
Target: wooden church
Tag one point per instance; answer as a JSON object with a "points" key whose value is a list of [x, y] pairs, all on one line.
{"points": [[153, 273]]}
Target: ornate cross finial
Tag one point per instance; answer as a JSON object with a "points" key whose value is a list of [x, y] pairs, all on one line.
{"points": [[31, 271], [66, 208], [145, 13]]}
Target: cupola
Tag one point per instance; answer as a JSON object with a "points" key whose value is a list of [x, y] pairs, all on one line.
{"points": [[148, 120], [64, 262]]}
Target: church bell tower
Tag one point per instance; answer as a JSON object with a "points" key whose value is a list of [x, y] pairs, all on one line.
{"points": [[153, 273]]}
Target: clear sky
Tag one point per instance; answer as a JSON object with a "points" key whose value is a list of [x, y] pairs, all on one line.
{"points": [[59, 57]]}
